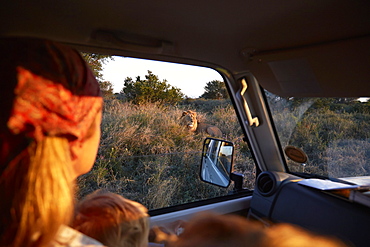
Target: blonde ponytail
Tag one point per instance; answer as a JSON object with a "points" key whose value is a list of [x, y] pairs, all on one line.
{"points": [[39, 182]]}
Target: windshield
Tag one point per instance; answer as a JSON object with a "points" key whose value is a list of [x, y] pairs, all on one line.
{"points": [[156, 116], [333, 132]]}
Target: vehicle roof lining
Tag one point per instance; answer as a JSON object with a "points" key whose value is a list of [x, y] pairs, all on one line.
{"points": [[209, 33], [336, 69]]}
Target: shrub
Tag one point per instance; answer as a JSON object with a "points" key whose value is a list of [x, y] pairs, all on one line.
{"points": [[151, 90]]}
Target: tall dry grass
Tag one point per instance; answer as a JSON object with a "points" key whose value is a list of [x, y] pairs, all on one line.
{"points": [[147, 156]]}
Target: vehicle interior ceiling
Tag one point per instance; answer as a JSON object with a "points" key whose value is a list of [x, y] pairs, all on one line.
{"points": [[237, 38], [299, 48]]}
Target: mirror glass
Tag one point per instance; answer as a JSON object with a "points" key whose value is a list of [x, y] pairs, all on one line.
{"points": [[216, 163]]}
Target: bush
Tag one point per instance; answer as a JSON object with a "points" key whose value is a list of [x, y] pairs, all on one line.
{"points": [[203, 105], [151, 90]]}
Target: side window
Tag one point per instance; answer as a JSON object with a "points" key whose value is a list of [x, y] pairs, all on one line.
{"points": [[156, 117], [333, 132]]}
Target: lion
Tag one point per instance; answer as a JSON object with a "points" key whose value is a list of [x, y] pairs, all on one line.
{"points": [[189, 119]]}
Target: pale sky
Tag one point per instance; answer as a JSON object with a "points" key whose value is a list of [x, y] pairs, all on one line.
{"points": [[190, 79]]}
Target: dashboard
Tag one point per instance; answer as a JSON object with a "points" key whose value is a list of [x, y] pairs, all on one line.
{"points": [[279, 197]]}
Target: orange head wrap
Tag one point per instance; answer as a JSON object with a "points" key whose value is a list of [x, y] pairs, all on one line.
{"points": [[48, 90]]}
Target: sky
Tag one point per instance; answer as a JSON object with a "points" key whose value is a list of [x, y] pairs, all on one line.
{"points": [[190, 79]]}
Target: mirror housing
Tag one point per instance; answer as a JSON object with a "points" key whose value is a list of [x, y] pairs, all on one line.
{"points": [[216, 163]]}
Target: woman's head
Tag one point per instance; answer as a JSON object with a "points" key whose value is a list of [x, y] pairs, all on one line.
{"points": [[113, 220], [50, 91], [49, 130]]}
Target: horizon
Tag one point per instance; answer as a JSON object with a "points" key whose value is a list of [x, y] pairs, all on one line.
{"points": [[190, 79]]}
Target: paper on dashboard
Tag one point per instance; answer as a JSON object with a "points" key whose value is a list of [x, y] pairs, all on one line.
{"points": [[322, 184]]}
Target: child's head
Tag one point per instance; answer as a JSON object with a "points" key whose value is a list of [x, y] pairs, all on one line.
{"points": [[112, 220], [214, 230]]}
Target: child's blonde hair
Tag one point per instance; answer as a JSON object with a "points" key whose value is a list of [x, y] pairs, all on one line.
{"points": [[113, 220]]}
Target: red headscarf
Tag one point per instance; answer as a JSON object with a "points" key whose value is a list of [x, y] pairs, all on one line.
{"points": [[48, 90]]}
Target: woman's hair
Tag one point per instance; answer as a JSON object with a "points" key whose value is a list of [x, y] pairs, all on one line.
{"points": [[113, 220], [49, 104], [40, 194]]}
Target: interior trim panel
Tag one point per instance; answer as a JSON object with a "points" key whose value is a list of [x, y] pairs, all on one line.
{"points": [[226, 207]]}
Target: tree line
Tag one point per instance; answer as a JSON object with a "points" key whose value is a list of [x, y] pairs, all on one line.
{"points": [[150, 89]]}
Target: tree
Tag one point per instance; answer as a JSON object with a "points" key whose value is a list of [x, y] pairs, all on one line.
{"points": [[150, 90], [106, 88], [96, 62], [215, 90]]}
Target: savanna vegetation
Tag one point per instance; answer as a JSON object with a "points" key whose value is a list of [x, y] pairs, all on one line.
{"points": [[147, 156]]}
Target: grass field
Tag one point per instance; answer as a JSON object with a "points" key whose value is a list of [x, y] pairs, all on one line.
{"points": [[148, 156]]}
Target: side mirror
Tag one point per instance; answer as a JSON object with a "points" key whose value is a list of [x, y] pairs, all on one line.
{"points": [[216, 162]]}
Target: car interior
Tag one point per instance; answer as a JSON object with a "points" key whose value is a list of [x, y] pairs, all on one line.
{"points": [[267, 52]]}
